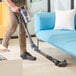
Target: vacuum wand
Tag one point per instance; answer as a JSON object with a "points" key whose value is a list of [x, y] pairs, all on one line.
{"points": [[25, 19]]}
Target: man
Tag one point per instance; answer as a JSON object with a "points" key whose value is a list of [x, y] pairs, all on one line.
{"points": [[14, 21]]}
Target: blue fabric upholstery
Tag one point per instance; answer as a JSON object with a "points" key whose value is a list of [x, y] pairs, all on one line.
{"points": [[44, 21], [63, 39], [75, 21]]}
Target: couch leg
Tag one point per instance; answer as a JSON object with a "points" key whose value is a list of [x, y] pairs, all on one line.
{"points": [[38, 43]]}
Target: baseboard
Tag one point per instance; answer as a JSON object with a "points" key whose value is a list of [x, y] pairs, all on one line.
{"points": [[13, 37]]}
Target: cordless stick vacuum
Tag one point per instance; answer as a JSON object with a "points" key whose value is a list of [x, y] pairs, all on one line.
{"points": [[25, 20]]}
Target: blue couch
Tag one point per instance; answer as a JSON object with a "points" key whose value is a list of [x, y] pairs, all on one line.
{"points": [[63, 39]]}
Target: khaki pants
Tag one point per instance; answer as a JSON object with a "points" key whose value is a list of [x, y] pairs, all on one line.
{"points": [[11, 29]]}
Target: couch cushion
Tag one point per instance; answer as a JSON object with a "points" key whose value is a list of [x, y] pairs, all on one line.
{"points": [[63, 39], [65, 19], [44, 35]]}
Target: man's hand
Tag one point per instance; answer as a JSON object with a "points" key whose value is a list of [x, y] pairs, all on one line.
{"points": [[15, 9]]}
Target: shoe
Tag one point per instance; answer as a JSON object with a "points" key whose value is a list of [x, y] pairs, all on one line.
{"points": [[2, 48], [28, 56]]}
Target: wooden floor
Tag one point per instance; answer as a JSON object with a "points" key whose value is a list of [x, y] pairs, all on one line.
{"points": [[42, 66]]}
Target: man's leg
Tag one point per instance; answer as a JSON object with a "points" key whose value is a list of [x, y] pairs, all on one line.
{"points": [[11, 29], [22, 40]]}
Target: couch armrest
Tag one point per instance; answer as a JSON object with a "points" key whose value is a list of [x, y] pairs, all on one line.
{"points": [[44, 21]]}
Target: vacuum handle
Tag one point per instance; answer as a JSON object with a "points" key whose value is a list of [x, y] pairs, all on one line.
{"points": [[25, 14]]}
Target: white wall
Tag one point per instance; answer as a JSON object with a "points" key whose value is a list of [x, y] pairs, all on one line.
{"points": [[74, 3], [60, 4]]}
